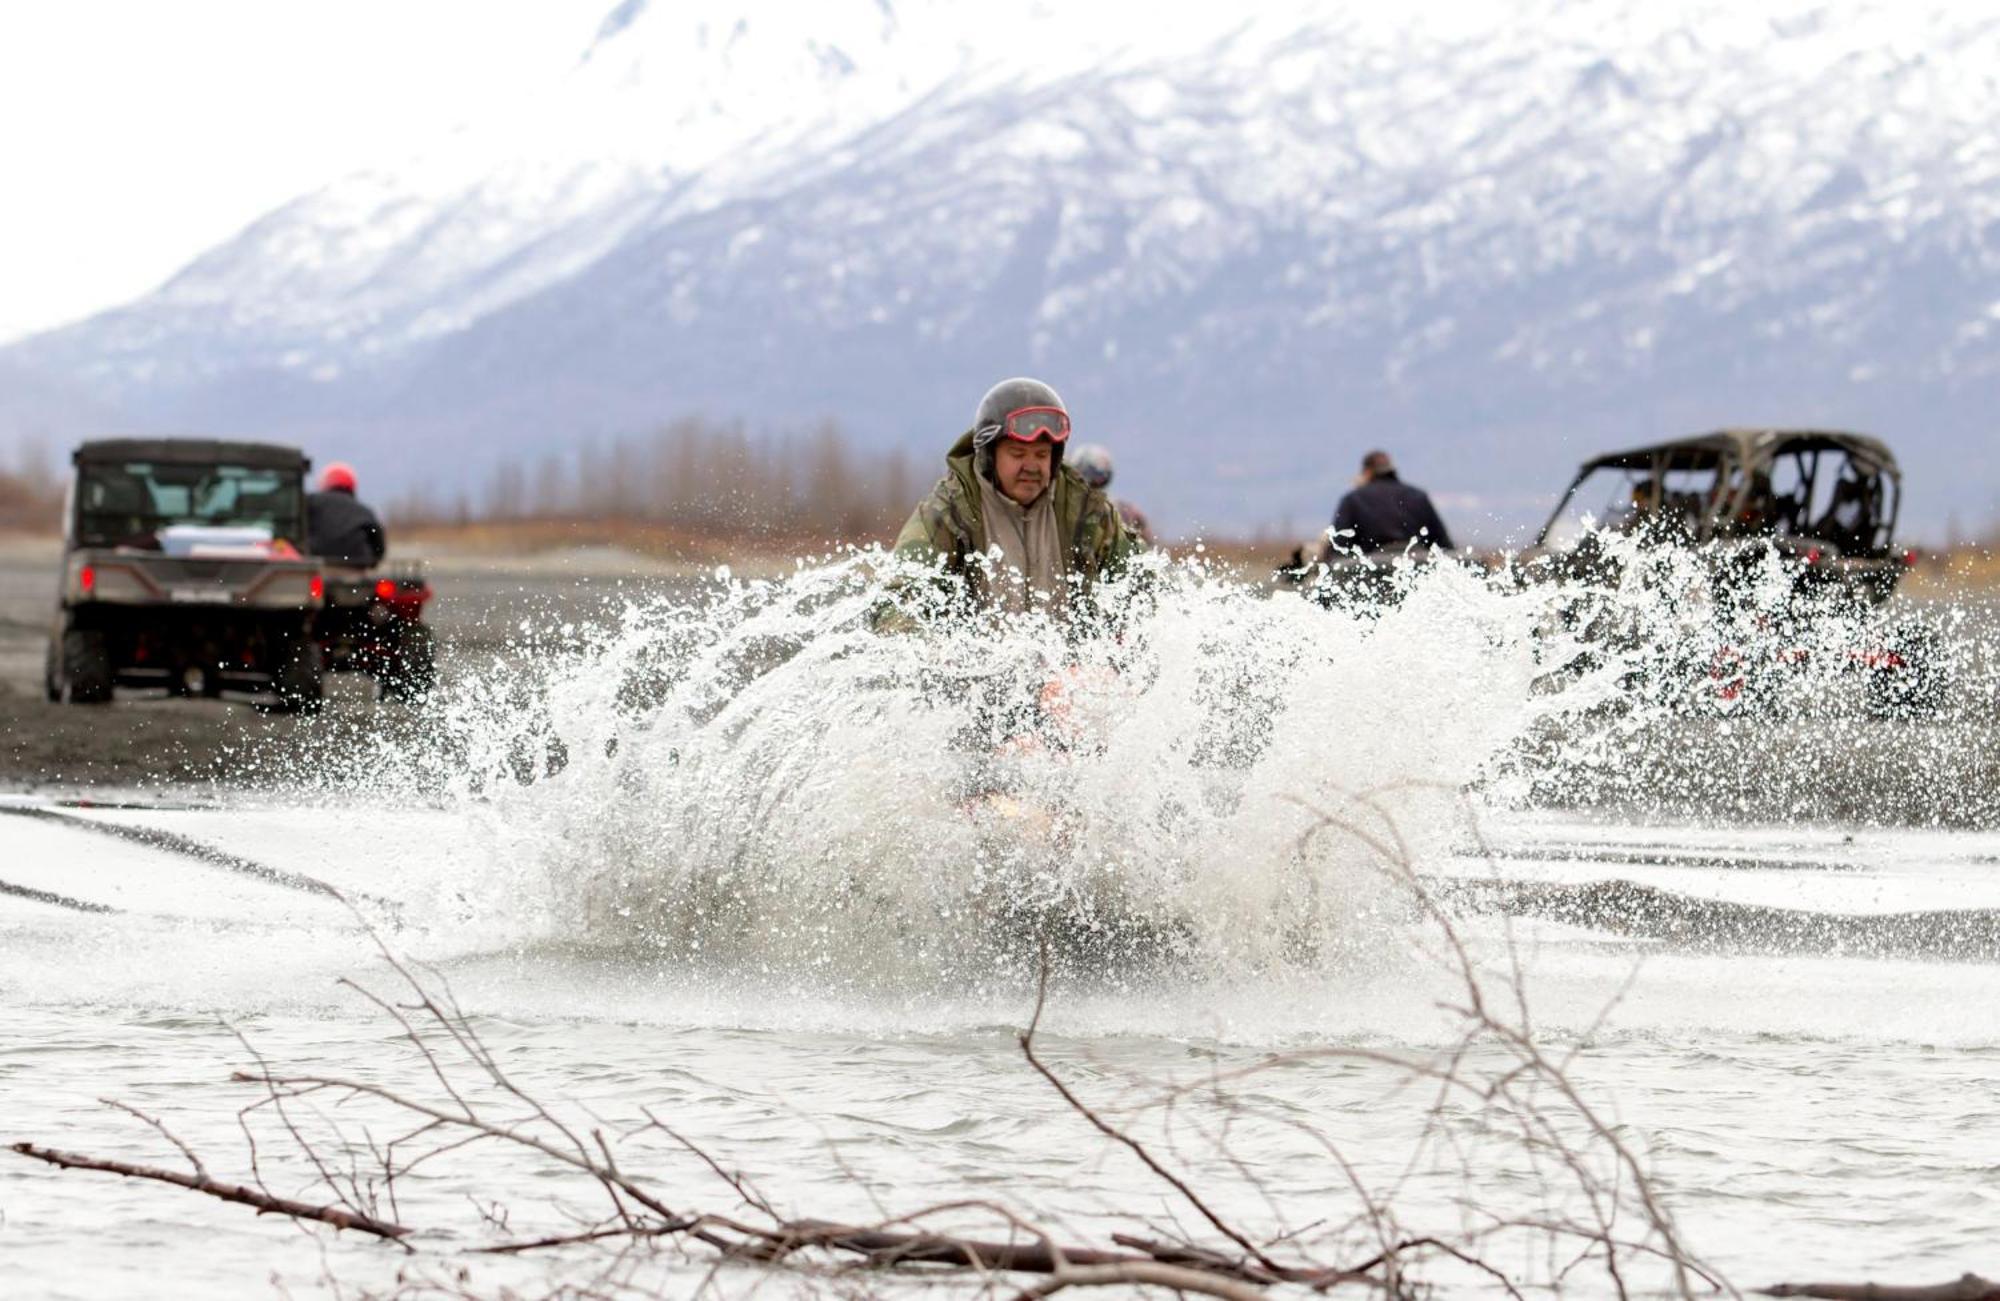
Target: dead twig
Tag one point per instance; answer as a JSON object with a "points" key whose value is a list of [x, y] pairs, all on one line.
{"points": [[200, 1170], [1436, 1244], [595, 1235], [887, 1247], [1110, 1131], [339, 1217], [751, 1197]]}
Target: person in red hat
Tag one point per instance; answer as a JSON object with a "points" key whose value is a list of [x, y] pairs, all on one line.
{"points": [[339, 527]]}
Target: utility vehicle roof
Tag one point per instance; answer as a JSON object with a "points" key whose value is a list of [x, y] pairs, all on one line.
{"points": [[1750, 446], [192, 451]]}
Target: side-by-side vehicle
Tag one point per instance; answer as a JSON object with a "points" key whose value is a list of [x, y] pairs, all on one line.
{"points": [[184, 567]]}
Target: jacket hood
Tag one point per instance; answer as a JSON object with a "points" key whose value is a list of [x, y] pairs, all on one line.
{"points": [[960, 464]]}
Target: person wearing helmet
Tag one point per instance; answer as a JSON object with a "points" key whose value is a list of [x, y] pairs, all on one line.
{"points": [[339, 527], [1020, 528], [1092, 463]]}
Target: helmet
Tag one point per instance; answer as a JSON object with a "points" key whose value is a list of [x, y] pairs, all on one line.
{"points": [[337, 477], [1021, 408], [1092, 462]]}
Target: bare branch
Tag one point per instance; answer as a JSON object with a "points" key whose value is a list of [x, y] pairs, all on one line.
{"points": [[751, 1197], [186, 1151], [1967, 1287], [595, 1235], [1144, 1274], [886, 1247], [1027, 1040], [339, 1217]]}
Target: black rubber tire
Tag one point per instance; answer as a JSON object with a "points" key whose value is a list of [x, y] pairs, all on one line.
{"points": [[1921, 688], [1919, 691], [86, 667], [412, 669], [301, 679]]}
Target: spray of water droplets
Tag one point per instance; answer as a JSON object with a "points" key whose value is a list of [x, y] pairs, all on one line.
{"points": [[764, 779]]}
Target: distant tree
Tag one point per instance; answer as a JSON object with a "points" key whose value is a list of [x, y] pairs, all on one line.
{"points": [[699, 476]]}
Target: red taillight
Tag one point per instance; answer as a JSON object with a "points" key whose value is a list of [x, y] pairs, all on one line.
{"points": [[1813, 555], [318, 588], [408, 603], [1909, 560], [86, 580], [384, 588]]}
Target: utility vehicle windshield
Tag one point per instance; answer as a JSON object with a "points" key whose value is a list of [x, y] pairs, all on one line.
{"points": [[1668, 494], [128, 503]]}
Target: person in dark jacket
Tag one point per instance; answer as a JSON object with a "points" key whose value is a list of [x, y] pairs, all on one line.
{"points": [[339, 527], [1383, 513]]}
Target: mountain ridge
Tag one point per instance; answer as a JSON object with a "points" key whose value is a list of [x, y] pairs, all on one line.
{"points": [[1244, 254]]}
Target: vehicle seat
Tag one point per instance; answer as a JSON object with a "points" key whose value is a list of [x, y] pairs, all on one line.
{"points": [[121, 505], [1786, 509], [258, 506]]}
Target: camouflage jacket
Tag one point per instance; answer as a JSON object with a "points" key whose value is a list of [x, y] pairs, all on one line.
{"points": [[946, 526]]}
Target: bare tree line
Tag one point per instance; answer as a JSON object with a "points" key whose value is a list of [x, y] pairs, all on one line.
{"points": [[698, 476], [691, 475], [30, 489]]}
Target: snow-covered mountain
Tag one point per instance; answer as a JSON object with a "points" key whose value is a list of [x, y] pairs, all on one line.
{"points": [[1246, 244]]}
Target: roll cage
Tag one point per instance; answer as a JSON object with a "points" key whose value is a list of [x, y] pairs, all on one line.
{"points": [[1807, 488]]}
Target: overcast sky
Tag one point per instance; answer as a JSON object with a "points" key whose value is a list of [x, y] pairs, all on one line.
{"points": [[136, 133]]}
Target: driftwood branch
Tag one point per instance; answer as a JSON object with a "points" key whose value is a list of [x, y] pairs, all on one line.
{"points": [[338, 1216], [1216, 1262], [886, 1247], [595, 1235], [1144, 1274], [1967, 1287]]}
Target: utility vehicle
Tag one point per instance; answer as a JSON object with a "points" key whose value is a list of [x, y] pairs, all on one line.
{"points": [[183, 568], [1828, 500], [1794, 530]]}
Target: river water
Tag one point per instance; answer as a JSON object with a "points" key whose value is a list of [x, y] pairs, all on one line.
{"points": [[736, 861]]}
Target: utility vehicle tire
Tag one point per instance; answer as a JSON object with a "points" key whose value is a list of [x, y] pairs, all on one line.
{"points": [[412, 669], [1921, 686], [86, 667], [300, 681], [52, 671]]}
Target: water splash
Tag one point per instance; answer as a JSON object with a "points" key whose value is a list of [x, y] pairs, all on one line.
{"points": [[759, 781]]}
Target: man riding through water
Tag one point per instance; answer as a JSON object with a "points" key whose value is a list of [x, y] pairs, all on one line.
{"points": [[1013, 531], [1019, 528]]}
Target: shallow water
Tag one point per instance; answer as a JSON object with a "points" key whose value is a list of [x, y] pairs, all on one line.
{"points": [[730, 863]]}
